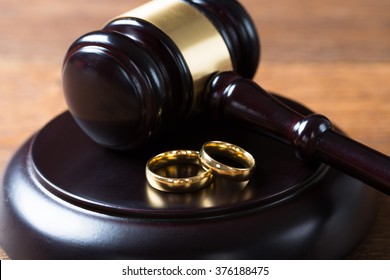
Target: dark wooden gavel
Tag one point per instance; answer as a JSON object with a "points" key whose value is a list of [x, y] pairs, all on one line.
{"points": [[152, 67]]}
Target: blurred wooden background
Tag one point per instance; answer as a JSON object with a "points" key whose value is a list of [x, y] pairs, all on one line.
{"points": [[333, 56]]}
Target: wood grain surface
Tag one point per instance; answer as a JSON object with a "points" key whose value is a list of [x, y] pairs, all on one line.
{"points": [[333, 56]]}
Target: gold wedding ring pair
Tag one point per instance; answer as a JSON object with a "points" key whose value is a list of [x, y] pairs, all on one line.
{"points": [[162, 171]]}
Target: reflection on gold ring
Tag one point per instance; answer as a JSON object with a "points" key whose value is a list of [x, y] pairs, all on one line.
{"points": [[241, 163], [175, 183]]}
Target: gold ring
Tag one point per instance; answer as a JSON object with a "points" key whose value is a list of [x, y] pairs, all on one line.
{"points": [[177, 184], [242, 162]]}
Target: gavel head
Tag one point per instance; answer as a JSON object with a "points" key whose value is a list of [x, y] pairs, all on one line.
{"points": [[149, 67]]}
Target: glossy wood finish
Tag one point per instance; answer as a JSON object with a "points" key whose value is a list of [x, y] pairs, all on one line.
{"points": [[124, 82], [232, 98], [335, 59], [56, 204], [129, 80], [118, 92]]}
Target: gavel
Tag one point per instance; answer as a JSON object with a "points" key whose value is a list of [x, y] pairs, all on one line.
{"points": [[156, 65]]}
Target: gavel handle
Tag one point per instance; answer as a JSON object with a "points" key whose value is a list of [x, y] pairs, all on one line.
{"points": [[355, 159], [312, 136]]}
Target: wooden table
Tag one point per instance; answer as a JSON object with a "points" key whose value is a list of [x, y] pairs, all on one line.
{"points": [[333, 56]]}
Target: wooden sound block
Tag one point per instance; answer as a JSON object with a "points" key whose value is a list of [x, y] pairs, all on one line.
{"points": [[65, 197]]}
